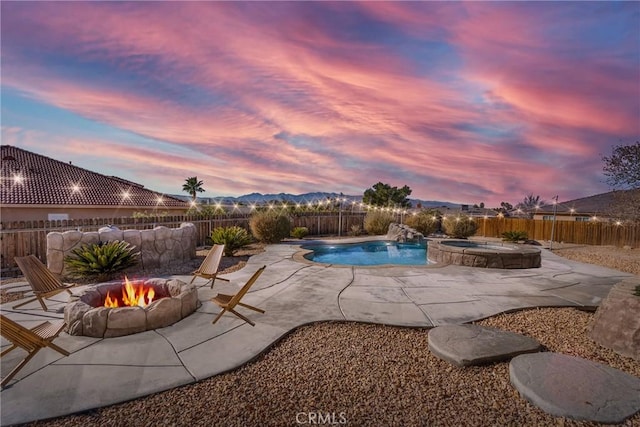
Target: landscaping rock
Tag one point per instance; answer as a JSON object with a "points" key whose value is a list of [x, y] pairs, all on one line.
{"points": [[616, 324], [466, 345], [572, 387], [403, 233]]}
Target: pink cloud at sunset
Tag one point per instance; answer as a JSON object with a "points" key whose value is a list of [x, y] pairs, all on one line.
{"points": [[465, 102]]}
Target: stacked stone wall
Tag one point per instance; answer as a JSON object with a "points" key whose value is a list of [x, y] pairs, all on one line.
{"points": [[478, 255], [160, 246]]}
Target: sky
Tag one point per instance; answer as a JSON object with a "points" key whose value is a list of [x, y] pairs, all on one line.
{"points": [[466, 102]]}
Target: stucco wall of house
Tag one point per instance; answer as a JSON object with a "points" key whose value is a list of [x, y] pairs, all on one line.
{"points": [[562, 217], [41, 213]]}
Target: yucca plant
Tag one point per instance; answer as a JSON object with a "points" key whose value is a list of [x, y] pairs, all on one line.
{"points": [[514, 236], [101, 261], [233, 238], [356, 230]]}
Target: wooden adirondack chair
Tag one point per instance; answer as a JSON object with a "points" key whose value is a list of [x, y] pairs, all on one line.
{"points": [[43, 282], [209, 267], [30, 340], [228, 302]]}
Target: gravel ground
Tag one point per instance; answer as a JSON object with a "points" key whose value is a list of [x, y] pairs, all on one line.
{"points": [[365, 375], [608, 256]]}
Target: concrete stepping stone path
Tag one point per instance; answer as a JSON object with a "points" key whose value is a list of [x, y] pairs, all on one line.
{"points": [[572, 387], [466, 345]]}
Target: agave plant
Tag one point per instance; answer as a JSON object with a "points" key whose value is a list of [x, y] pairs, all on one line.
{"points": [[233, 238], [101, 261], [514, 236]]}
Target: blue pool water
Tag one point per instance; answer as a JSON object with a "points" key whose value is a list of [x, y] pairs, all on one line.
{"points": [[369, 253]]}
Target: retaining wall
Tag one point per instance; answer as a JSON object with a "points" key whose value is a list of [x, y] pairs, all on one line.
{"points": [[160, 246]]}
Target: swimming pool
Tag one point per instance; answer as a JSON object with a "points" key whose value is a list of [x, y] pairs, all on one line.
{"points": [[369, 253]]}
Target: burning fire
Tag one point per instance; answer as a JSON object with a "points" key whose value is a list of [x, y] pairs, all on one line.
{"points": [[133, 295]]}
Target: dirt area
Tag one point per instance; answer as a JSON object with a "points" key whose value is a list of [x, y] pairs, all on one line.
{"points": [[627, 260]]}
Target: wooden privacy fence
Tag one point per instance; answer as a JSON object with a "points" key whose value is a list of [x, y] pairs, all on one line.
{"points": [[581, 232], [30, 237]]}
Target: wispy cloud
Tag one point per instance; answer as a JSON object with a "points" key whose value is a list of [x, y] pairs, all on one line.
{"points": [[467, 102]]}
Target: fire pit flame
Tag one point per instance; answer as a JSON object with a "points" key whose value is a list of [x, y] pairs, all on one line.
{"points": [[133, 295]]}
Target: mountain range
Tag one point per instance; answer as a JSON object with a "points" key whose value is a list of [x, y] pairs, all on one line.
{"points": [[260, 198]]}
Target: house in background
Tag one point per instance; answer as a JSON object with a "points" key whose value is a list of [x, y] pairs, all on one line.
{"points": [[466, 211], [36, 187], [592, 208]]}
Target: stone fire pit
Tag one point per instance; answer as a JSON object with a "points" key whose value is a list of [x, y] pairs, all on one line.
{"points": [[87, 315]]}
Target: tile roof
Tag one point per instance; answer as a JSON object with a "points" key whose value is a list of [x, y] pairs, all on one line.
{"points": [[595, 204], [32, 179]]}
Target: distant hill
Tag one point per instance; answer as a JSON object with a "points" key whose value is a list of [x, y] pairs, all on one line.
{"points": [[303, 198]]}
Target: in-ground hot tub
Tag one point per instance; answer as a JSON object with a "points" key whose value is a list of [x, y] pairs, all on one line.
{"points": [[483, 254]]}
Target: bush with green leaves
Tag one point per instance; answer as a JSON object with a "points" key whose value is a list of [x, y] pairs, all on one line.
{"points": [[514, 236], [233, 238], [299, 232], [459, 227], [270, 227], [377, 222], [424, 221], [101, 261]]}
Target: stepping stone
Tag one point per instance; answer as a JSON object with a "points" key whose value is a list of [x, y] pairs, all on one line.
{"points": [[465, 345], [572, 387]]}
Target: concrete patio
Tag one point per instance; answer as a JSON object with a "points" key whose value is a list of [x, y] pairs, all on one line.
{"points": [[101, 372]]}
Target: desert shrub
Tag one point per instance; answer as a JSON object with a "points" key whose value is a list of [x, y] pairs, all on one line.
{"points": [[637, 291], [514, 236], [459, 227], [356, 230], [233, 238], [299, 232], [423, 222], [205, 211], [269, 227], [377, 222], [101, 261]]}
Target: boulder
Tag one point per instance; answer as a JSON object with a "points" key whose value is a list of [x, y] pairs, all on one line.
{"points": [[616, 324], [403, 233]]}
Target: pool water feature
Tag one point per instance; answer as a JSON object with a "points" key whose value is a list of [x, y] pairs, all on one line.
{"points": [[369, 253]]}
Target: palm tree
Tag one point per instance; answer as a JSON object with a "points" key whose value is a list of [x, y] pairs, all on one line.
{"points": [[192, 186]]}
